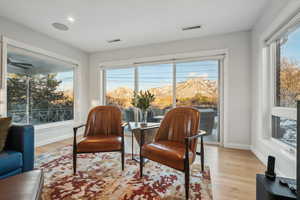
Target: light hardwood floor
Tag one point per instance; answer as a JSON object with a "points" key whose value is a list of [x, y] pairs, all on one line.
{"points": [[232, 171]]}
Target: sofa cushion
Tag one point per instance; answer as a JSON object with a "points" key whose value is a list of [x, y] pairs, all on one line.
{"points": [[4, 126], [10, 160]]}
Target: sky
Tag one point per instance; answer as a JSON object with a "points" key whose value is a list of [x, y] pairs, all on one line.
{"points": [[159, 75], [291, 48], [67, 80]]}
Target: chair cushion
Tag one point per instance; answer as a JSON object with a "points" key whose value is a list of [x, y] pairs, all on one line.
{"points": [[9, 161], [168, 153], [99, 143]]}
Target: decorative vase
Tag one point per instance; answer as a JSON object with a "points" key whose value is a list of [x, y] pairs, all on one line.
{"points": [[144, 117]]}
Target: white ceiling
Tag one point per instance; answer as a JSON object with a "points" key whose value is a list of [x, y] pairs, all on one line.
{"points": [[135, 22]]}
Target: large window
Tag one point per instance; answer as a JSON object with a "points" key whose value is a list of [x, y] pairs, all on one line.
{"points": [[286, 64], [39, 88], [175, 84]]}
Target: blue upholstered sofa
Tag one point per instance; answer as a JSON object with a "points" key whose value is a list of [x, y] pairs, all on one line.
{"points": [[18, 153]]}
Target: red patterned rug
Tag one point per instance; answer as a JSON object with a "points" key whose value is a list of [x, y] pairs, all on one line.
{"points": [[99, 176]]}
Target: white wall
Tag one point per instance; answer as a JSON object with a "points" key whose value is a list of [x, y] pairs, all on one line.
{"points": [[276, 13], [23, 34], [239, 97]]}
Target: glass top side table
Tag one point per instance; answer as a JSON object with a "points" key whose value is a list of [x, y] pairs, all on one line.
{"points": [[137, 129]]}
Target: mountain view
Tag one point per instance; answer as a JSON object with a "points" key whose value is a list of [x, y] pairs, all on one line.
{"points": [[194, 91]]}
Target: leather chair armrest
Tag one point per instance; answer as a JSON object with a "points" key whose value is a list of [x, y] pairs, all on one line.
{"points": [[21, 139], [189, 138], [77, 127], [75, 132], [199, 134], [124, 124]]}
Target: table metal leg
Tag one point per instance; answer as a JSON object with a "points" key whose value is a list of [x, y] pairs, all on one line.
{"points": [[132, 145], [202, 154], [137, 157], [141, 142]]}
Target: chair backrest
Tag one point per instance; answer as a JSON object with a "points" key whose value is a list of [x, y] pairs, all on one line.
{"points": [[104, 121], [179, 123]]}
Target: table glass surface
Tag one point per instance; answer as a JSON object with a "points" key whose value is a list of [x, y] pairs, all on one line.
{"points": [[159, 117], [138, 126]]}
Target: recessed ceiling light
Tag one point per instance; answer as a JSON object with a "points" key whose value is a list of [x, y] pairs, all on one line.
{"points": [[114, 40], [71, 19], [60, 26], [191, 27]]}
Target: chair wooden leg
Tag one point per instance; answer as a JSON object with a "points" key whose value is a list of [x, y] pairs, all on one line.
{"points": [[187, 178], [123, 150], [74, 161], [74, 151], [141, 166], [122, 157]]}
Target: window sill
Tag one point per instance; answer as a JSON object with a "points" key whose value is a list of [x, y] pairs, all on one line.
{"points": [[281, 148], [284, 147]]}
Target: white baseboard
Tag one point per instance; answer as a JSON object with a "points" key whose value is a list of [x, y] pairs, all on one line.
{"points": [[263, 158], [42, 142], [52, 140], [237, 146]]}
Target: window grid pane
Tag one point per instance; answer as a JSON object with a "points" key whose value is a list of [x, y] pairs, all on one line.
{"points": [[158, 80], [197, 85], [119, 90], [284, 130], [287, 70]]}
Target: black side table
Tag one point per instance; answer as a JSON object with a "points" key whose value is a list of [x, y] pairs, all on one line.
{"points": [[273, 190]]}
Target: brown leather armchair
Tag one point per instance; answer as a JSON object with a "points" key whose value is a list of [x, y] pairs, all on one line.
{"points": [[176, 141], [104, 132]]}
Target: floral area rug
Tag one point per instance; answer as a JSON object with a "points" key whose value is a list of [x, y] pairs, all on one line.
{"points": [[99, 176]]}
